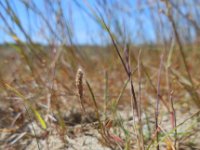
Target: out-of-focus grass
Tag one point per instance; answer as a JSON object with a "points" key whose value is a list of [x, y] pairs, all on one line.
{"points": [[44, 78], [59, 82]]}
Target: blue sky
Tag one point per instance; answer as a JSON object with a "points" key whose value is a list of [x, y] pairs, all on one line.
{"points": [[80, 25], [85, 29]]}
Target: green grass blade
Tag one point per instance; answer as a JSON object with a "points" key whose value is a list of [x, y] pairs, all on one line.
{"points": [[36, 113]]}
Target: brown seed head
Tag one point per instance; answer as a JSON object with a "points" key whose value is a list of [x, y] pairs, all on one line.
{"points": [[79, 82]]}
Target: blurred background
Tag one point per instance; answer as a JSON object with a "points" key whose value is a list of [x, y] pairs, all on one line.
{"points": [[44, 42], [75, 22]]}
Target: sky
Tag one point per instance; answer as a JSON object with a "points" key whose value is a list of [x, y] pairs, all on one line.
{"points": [[85, 29]]}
